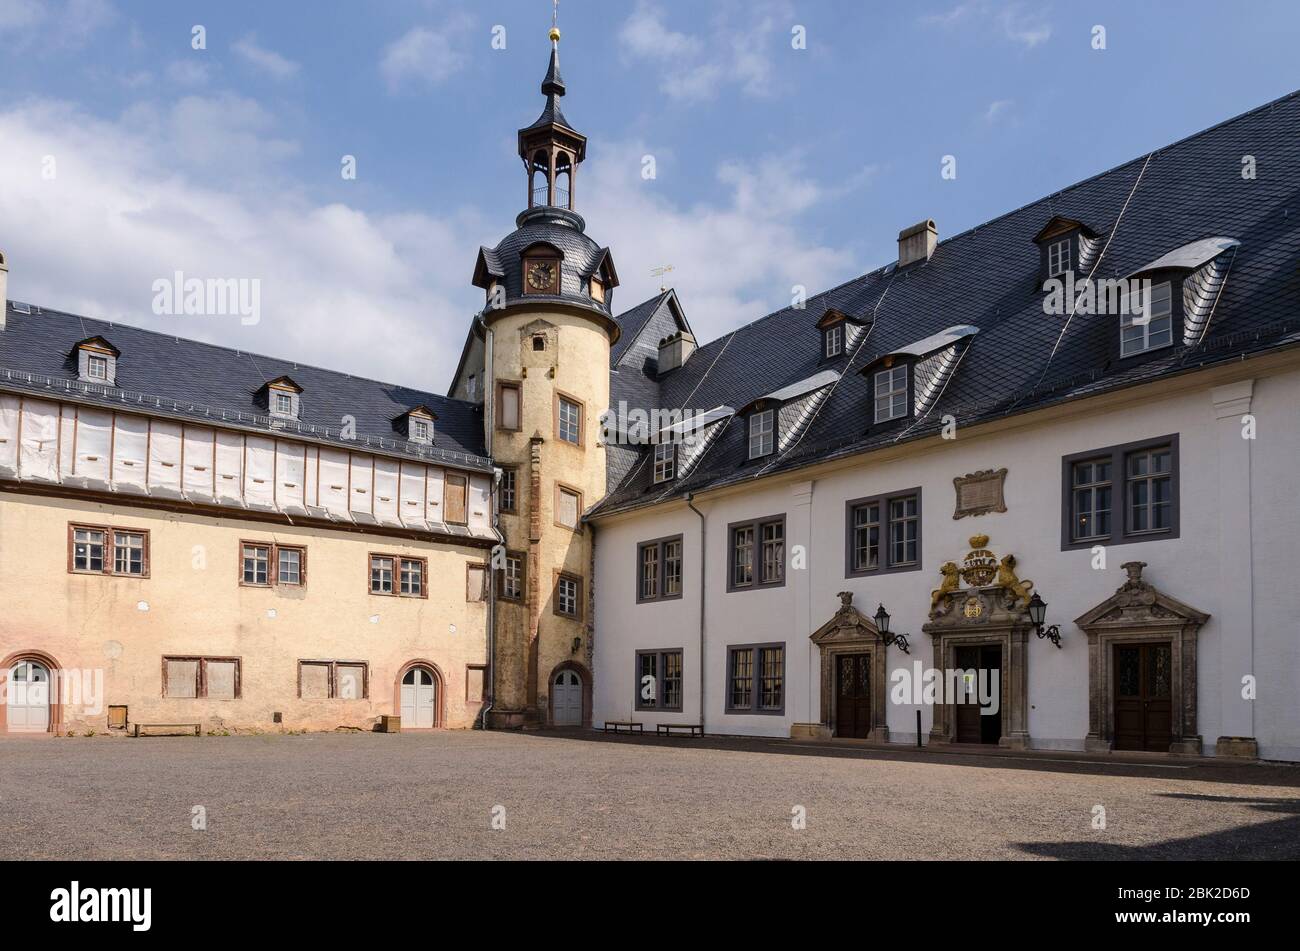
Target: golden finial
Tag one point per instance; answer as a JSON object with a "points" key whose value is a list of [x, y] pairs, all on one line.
{"points": [[555, 34], [555, 16]]}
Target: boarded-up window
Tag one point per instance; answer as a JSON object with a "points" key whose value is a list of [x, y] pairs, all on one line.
{"points": [[182, 678], [568, 506], [350, 681], [475, 582], [221, 679], [454, 499], [315, 681], [508, 403], [475, 683]]}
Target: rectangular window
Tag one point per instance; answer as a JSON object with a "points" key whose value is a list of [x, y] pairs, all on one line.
{"points": [[283, 404], [659, 680], [412, 578], [98, 549], [475, 583], [665, 457], [333, 680], [508, 403], [883, 533], [757, 553], [568, 420], [510, 579], [761, 433], [1146, 323], [756, 678], [659, 569], [834, 340], [509, 490], [421, 431], [475, 683], [568, 507], [891, 393], [381, 574], [97, 367], [1120, 494], [267, 564], [568, 596], [1058, 258], [455, 506], [211, 678]]}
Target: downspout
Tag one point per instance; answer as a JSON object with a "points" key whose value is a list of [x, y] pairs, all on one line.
{"points": [[489, 579], [690, 503]]}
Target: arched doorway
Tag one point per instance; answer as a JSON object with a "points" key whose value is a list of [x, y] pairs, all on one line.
{"points": [[30, 691], [419, 696], [569, 695]]}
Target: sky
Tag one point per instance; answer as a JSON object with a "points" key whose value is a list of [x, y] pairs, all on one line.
{"points": [[791, 140]]}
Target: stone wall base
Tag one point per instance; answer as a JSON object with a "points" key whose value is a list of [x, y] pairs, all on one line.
{"points": [[1241, 747], [810, 731], [506, 719]]}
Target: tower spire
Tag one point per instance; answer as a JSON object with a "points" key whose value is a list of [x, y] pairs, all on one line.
{"points": [[551, 148]]}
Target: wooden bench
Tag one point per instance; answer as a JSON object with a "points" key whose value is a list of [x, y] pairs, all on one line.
{"points": [[196, 727], [680, 729], [620, 726]]}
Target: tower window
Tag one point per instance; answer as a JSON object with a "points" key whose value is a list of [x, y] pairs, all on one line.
{"points": [[568, 420], [539, 342]]}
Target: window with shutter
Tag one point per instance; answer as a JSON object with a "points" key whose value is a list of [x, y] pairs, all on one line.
{"points": [[568, 507], [508, 406], [454, 507]]}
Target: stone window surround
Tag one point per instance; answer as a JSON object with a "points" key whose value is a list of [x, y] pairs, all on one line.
{"points": [[659, 654], [201, 687], [1118, 456], [272, 564], [660, 544], [756, 687], [577, 615], [110, 560], [757, 525], [333, 666], [884, 567], [397, 575]]}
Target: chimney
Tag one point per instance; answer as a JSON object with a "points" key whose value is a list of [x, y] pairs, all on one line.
{"points": [[675, 350], [4, 289], [917, 242]]}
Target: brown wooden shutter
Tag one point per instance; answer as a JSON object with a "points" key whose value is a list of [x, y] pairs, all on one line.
{"points": [[454, 504]]}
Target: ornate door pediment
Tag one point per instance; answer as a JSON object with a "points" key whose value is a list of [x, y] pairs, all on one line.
{"points": [[847, 625], [849, 631]]}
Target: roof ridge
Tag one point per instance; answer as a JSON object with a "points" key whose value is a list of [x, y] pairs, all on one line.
{"points": [[251, 355]]}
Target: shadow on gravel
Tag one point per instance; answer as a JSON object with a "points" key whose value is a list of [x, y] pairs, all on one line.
{"points": [[1279, 839], [1058, 761]]}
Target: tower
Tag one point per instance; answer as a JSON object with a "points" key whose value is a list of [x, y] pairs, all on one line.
{"points": [[543, 339]]}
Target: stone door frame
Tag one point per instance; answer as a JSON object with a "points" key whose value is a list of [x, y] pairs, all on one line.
{"points": [[850, 631], [1137, 613], [1013, 639]]}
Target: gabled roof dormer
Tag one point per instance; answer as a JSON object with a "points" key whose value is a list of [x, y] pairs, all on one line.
{"points": [[908, 381], [1066, 246], [96, 361], [416, 424], [602, 278], [282, 398], [840, 333]]}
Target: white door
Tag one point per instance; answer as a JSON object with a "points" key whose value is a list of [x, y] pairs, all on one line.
{"points": [[418, 699], [29, 698], [566, 699]]}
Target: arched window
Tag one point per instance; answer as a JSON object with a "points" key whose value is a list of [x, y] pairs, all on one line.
{"points": [[539, 179], [563, 181]]}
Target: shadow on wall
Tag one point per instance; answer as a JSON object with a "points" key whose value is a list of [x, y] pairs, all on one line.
{"points": [[1279, 839]]}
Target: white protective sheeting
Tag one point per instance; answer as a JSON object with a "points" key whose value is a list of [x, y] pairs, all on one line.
{"points": [[9, 414], [230, 468], [386, 492], [259, 477], [165, 459], [332, 489], [411, 511], [480, 504], [39, 449], [90, 462], [361, 499], [130, 454], [290, 477], [198, 479]]}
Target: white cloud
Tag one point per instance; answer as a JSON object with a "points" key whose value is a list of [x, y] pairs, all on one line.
{"points": [[736, 48], [268, 61], [66, 25], [996, 109], [1014, 21], [193, 71], [424, 57]]}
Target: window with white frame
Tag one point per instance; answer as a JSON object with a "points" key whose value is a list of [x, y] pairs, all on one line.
{"points": [[665, 458], [421, 430], [1058, 258], [1146, 321], [891, 393], [97, 367], [283, 404], [834, 344], [762, 427]]}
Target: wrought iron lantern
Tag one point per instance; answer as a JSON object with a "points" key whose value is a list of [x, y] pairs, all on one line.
{"points": [[882, 625], [1037, 614]]}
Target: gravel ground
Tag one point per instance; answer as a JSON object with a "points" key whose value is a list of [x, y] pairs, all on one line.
{"points": [[574, 796]]}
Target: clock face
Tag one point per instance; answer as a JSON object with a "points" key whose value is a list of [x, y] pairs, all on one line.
{"points": [[541, 275]]}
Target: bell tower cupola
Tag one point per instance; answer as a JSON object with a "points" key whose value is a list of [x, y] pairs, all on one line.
{"points": [[552, 149]]}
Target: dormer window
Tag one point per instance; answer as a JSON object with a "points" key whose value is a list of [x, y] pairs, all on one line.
{"points": [[1146, 320], [597, 289], [421, 431], [890, 387], [762, 433], [97, 361], [282, 398], [417, 425], [665, 462], [1058, 257], [283, 404], [833, 340]]}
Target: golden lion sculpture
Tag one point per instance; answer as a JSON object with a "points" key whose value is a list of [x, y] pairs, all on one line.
{"points": [[951, 582], [1007, 579]]}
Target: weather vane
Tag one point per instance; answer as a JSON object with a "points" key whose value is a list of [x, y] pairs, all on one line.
{"points": [[555, 16], [659, 272]]}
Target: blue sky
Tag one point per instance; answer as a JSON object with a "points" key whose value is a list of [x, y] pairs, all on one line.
{"points": [[775, 166]]}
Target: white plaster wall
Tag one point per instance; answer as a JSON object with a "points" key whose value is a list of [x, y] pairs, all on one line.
{"points": [[1187, 568]]}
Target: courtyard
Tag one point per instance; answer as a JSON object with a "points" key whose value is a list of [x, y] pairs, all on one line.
{"points": [[475, 795]]}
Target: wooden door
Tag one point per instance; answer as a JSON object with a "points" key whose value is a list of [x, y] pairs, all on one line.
{"points": [[1144, 696], [853, 695], [972, 724]]}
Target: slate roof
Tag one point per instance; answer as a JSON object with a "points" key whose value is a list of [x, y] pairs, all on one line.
{"points": [[166, 375], [989, 277]]}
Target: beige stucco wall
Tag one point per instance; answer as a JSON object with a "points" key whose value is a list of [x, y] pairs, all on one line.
{"points": [[196, 606], [574, 363]]}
